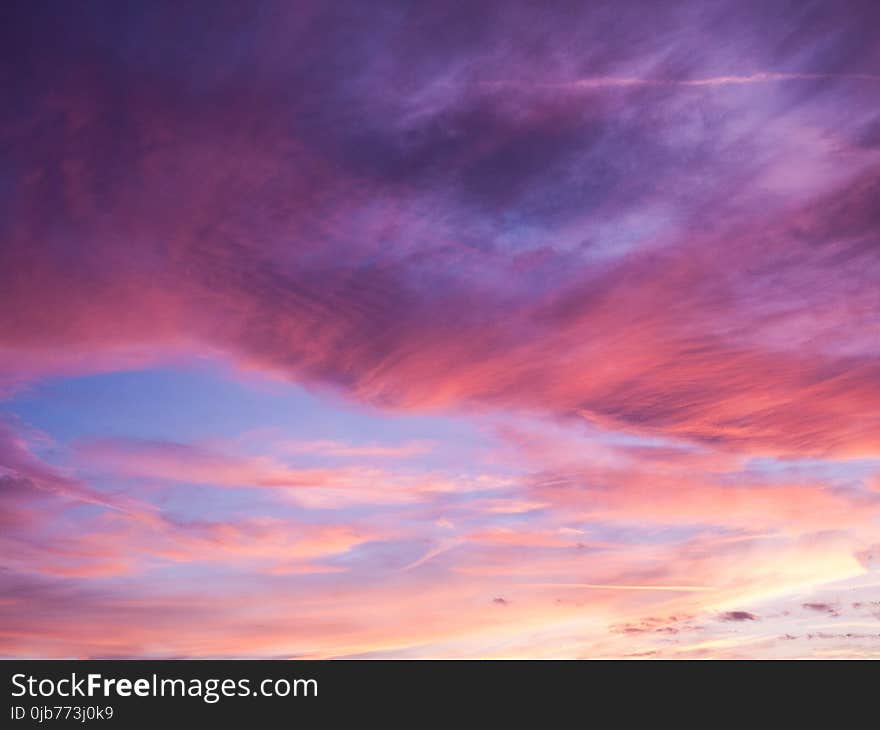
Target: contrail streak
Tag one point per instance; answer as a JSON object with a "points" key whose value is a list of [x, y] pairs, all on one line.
{"points": [[602, 82], [432, 553]]}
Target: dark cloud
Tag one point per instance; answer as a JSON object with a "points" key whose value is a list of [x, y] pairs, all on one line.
{"points": [[669, 625], [738, 616], [822, 608]]}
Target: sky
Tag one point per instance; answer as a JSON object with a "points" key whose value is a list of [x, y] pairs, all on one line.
{"points": [[442, 329]]}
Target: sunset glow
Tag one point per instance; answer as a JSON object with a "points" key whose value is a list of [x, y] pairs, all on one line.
{"points": [[386, 329]]}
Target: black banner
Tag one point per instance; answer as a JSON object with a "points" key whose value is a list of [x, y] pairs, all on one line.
{"points": [[103, 694]]}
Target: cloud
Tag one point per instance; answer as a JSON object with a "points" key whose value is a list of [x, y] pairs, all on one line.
{"points": [[822, 608], [738, 616], [178, 462], [869, 557], [323, 487], [336, 449], [25, 476], [345, 248]]}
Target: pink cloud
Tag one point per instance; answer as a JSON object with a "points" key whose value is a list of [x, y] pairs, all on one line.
{"points": [[337, 449]]}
